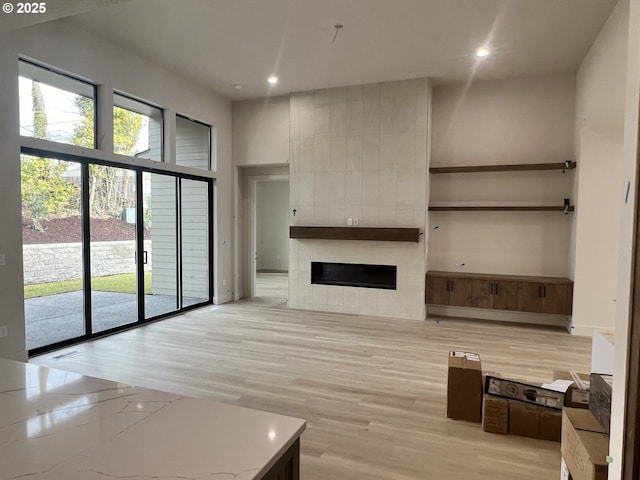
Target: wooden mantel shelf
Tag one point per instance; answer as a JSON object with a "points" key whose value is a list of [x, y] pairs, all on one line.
{"points": [[382, 234], [569, 165], [504, 208]]}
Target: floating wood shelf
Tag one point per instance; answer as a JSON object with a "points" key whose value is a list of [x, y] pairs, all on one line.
{"points": [[505, 168], [571, 208], [356, 233]]}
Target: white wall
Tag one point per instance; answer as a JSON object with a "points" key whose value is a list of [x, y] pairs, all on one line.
{"points": [[628, 212], [525, 120], [61, 44], [272, 225], [599, 131], [260, 147], [261, 131]]}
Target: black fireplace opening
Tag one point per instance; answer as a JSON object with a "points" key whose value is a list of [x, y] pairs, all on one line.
{"points": [[354, 275]]}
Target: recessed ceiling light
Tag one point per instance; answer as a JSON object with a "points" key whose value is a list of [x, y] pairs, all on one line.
{"points": [[273, 80], [482, 52], [237, 86]]}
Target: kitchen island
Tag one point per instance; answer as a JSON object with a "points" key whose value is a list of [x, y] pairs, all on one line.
{"points": [[57, 425]]}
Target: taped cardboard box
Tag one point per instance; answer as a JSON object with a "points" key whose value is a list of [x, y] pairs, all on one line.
{"points": [[532, 393], [495, 415], [577, 395], [527, 420], [584, 445], [464, 387], [564, 471], [600, 399]]}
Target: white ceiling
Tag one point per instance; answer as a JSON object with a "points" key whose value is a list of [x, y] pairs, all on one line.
{"points": [[53, 10], [220, 43]]}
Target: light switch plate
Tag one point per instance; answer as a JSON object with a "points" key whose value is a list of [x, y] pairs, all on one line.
{"points": [[2, 260]]}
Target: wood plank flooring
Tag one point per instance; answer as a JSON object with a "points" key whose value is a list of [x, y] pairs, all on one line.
{"points": [[372, 390]]}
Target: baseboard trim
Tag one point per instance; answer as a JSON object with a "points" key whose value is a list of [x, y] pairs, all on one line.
{"points": [[499, 316], [588, 330], [226, 298]]}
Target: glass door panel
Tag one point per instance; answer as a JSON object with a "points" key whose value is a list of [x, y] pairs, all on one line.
{"points": [[194, 213], [52, 250], [160, 244], [112, 226]]}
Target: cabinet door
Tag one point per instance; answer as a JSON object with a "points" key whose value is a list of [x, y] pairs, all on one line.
{"points": [[482, 293], [530, 297], [437, 290], [460, 292], [555, 298], [505, 296]]}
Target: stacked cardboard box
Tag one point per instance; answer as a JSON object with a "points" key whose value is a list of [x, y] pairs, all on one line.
{"points": [[508, 416], [584, 445], [577, 395], [532, 410], [600, 399], [533, 393], [464, 387]]}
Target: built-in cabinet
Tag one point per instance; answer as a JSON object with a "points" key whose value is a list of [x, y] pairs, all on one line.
{"points": [[550, 295], [499, 295], [531, 294]]}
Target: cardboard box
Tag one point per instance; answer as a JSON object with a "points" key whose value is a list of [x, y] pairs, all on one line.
{"points": [[564, 471], [602, 351], [584, 445], [533, 421], [495, 415], [600, 399], [577, 396], [525, 392], [464, 387]]}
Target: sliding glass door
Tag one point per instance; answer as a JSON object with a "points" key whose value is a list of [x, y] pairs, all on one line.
{"points": [[160, 219], [108, 247], [52, 250], [194, 212], [113, 247]]}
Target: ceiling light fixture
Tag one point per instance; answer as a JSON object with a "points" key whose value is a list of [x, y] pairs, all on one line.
{"points": [[337, 26], [237, 86], [482, 52], [273, 80]]}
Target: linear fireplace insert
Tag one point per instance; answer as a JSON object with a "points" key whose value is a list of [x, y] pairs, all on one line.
{"points": [[354, 275]]}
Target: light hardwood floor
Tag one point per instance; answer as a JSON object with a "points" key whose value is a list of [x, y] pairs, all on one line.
{"points": [[372, 390]]}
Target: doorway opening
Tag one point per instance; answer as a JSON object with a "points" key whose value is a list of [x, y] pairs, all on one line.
{"points": [[270, 237]]}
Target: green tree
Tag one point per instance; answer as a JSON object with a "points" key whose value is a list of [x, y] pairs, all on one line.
{"points": [[108, 187], [44, 191], [39, 114]]}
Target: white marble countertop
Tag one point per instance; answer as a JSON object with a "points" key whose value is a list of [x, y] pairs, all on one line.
{"points": [[57, 425]]}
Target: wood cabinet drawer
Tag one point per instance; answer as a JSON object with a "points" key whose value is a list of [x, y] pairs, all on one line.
{"points": [[437, 290], [550, 298], [460, 292], [548, 295], [449, 291], [498, 295]]}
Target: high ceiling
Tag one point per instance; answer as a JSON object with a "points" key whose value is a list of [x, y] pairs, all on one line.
{"points": [[221, 43]]}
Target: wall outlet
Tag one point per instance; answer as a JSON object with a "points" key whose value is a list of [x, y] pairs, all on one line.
{"points": [[349, 221], [4, 331], [356, 221]]}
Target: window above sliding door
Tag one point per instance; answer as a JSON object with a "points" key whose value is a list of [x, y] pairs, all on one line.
{"points": [[56, 107], [137, 128], [193, 144]]}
